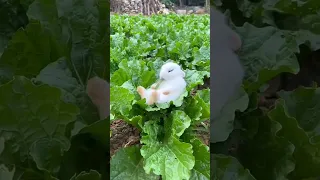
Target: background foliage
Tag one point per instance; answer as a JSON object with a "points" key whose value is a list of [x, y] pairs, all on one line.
{"points": [[279, 140], [48, 125]]}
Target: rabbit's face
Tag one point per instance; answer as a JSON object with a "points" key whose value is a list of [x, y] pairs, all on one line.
{"points": [[171, 70]]}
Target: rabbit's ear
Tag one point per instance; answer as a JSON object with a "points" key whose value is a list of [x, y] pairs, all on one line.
{"points": [[183, 74]]}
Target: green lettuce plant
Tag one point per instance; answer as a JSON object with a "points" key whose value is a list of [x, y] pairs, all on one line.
{"points": [[170, 146]]}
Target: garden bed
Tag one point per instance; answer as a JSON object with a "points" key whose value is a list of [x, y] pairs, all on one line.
{"points": [[170, 140]]}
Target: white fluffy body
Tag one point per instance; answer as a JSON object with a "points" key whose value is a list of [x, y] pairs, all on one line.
{"points": [[225, 69], [147, 94], [172, 77], [173, 82]]}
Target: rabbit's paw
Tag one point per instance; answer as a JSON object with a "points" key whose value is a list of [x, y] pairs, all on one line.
{"points": [[141, 90], [153, 97]]}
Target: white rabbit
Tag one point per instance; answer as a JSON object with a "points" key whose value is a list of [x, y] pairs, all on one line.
{"points": [[225, 68], [172, 85]]}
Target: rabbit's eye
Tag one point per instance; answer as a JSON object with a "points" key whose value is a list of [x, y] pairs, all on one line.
{"points": [[170, 70]]}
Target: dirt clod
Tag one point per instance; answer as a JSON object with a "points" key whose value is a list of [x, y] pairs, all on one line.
{"points": [[123, 135], [204, 136]]}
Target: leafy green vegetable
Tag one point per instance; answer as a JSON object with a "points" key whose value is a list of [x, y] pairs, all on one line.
{"points": [[133, 168], [6, 173], [28, 52], [203, 98], [48, 51], [12, 17], [58, 74], [225, 167], [201, 168], [121, 99], [139, 47], [168, 157], [262, 63], [98, 131], [42, 118], [178, 39], [195, 78], [302, 104], [305, 151], [277, 160], [223, 125], [94, 175]]}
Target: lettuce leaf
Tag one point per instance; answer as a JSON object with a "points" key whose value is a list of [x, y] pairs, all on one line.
{"points": [[168, 157]]}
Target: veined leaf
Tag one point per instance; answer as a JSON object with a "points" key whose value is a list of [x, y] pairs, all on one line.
{"points": [[91, 175], [306, 154], [262, 63], [58, 74], [227, 167], [201, 170], [170, 158], [222, 126], [128, 164], [41, 118]]}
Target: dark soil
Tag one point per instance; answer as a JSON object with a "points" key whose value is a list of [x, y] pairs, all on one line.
{"points": [[204, 135], [123, 135], [206, 84]]}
